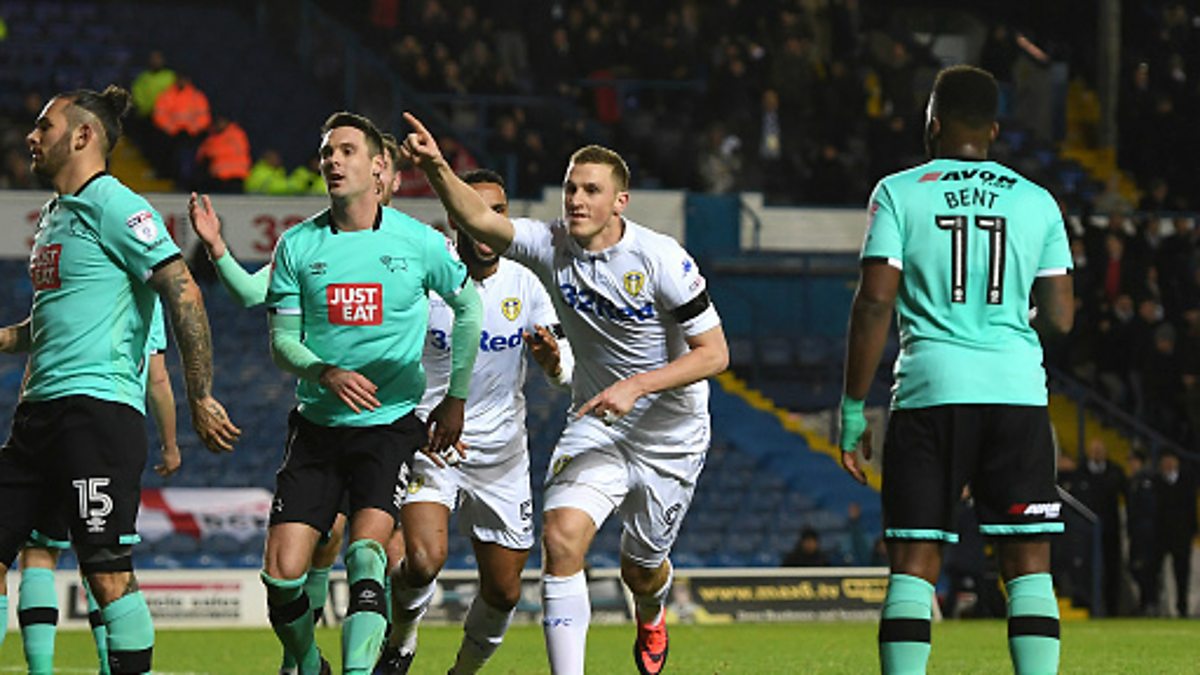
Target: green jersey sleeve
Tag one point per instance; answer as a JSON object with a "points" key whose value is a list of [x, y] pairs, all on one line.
{"points": [[248, 289], [283, 288], [444, 272], [134, 235], [884, 236], [1056, 256]]}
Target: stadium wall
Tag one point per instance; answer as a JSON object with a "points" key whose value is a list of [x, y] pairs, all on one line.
{"points": [[253, 223]]}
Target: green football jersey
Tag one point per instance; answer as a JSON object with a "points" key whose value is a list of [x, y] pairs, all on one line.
{"points": [[362, 299], [92, 308], [969, 238]]}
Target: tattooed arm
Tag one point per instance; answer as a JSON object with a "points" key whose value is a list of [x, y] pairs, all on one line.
{"points": [[15, 339], [183, 302]]}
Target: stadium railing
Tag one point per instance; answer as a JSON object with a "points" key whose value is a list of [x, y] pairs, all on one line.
{"points": [[1087, 399], [1077, 560]]}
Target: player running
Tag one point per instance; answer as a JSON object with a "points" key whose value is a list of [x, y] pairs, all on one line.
{"points": [[349, 312], [490, 484], [956, 245], [645, 337], [37, 604], [101, 254]]}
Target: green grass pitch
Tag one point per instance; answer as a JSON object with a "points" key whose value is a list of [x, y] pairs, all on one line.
{"points": [[1114, 646]]}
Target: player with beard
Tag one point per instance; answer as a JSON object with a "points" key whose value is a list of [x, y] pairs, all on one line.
{"points": [[101, 257]]}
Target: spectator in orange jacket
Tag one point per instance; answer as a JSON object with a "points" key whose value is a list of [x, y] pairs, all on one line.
{"points": [[225, 154], [182, 114]]}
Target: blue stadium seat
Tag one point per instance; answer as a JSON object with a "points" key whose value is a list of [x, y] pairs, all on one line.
{"points": [[176, 544]]}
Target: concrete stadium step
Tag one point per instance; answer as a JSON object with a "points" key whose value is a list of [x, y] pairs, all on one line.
{"points": [[132, 168], [1064, 416]]}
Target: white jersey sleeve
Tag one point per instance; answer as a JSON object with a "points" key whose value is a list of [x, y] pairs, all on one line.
{"points": [[533, 245], [682, 292]]}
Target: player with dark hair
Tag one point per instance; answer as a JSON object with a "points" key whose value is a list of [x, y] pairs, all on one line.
{"points": [[250, 290], [100, 257], [488, 482], [37, 608], [646, 336], [348, 305], [955, 246]]}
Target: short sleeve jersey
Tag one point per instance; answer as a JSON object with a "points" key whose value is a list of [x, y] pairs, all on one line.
{"points": [[514, 301], [627, 309], [969, 238], [92, 308], [361, 296]]}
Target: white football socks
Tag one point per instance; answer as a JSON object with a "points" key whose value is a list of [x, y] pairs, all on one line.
{"points": [[483, 631], [408, 607], [566, 613]]}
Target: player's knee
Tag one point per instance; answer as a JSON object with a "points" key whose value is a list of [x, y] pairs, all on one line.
{"points": [[500, 595], [422, 562], [37, 556], [563, 545], [283, 567], [108, 587], [642, 580]]}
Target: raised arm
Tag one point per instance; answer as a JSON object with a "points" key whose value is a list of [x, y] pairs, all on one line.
{"points": [[15, 339], [464, 205], [184, 303], [248, 289]]}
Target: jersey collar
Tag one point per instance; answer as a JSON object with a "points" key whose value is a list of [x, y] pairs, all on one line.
{"points": [[88, 182], [627, 240], [328, 214]]}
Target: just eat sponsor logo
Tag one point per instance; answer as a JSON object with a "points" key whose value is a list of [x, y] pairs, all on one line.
{"points": [[43, 267], [355, 304]]}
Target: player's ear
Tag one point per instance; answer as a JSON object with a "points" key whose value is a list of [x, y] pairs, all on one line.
{"points": [[83, 135], [621, 203], [994, 132]]}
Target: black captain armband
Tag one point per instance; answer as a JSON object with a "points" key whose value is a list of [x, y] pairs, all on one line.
{"points": [[692, 308]]}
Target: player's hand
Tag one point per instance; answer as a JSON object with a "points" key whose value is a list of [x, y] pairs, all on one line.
{"points": [[543, 347], [446, 425], [614, 402], [451, 456], [420, 147], [212, 425], [171, 460], [355, 390], [855, 434], [206, 225]]}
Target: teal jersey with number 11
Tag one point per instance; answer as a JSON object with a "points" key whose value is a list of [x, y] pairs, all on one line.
{"points": [[969, 238]]}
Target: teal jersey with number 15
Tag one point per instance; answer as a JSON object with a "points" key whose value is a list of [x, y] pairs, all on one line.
{"points": [[969, 238]]}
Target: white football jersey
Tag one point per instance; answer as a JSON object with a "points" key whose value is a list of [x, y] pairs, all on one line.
{"points": [[626, 310], [513, 302]]}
